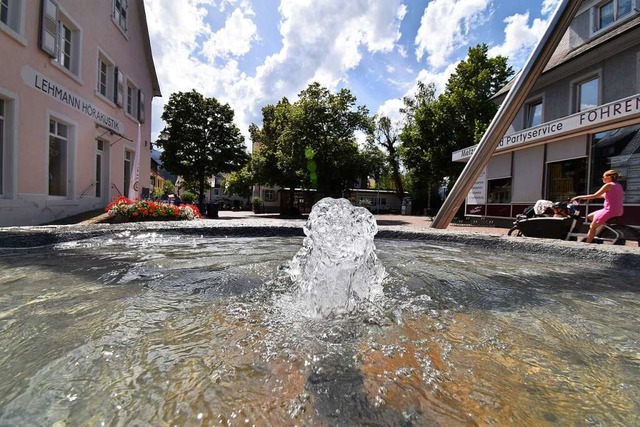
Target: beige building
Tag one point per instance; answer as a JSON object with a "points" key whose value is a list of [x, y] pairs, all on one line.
{"points": [[76, 84]]}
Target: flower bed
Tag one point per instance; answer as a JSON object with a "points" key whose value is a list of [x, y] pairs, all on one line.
{"points": [[123, 209]]}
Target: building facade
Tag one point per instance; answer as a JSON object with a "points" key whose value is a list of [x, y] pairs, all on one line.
{"points": [[76, 85], [581, 119]]}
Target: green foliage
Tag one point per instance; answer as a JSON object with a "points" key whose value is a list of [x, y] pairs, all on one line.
{"points": [[436, 127], [202, 139], [387, 136], [188, 197], [239, 183], [310, 143], [168, 187]]}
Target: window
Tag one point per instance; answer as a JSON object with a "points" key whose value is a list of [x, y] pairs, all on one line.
{"points": [[64, 53], [99, 161], [141, 116], [608, 12], [269, 195], [8, 144], [534, 114], [103, 77], [120, 13], [128, 157], [4, 11], [617, 149], [499, 190], [605, 14], [58, 157], [110, 80], [2, 143], [60, 37], [132, 100], [588, 94], [10, 15], [566, 179]]}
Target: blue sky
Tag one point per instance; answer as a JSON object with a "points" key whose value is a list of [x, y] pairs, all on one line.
{"points": [[251, 53]]}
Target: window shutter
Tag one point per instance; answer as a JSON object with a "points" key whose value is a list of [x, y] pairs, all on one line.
{"points": [[140, 106], [118, 90], [49, 28]]}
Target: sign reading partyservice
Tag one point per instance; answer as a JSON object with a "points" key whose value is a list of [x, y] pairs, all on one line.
{"points": [[58, 92], [603, 114]]}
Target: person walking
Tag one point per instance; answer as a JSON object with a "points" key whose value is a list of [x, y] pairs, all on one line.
{"points": [[613, 195]]}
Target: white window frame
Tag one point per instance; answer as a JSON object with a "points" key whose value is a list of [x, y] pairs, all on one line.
{"points": [[9, 147], [109, 74], [595, 15], [121, 21], [575, 89], [70, 157], [14, 26], [131, 100], [74, 66]]}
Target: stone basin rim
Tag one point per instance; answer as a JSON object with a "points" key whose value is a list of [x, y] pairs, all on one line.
{"points": [[627, 257]]}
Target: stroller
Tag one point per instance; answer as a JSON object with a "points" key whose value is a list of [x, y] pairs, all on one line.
{"points": [[562, 221], [548, 220]]}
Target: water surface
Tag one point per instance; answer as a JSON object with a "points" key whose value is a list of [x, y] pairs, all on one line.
{"points": [[156, 329]]}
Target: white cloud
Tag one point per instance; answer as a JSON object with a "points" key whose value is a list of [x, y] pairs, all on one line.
{"points": [[235, 38], [391, 107], [550, 6], [321, 40], [444, 27], [520, 37]]}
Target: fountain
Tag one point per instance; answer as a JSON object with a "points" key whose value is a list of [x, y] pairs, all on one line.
{"points": [[337, 270], [157, 324]]}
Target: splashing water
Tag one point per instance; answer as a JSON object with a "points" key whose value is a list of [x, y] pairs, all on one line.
{"points": [[337, 271]]}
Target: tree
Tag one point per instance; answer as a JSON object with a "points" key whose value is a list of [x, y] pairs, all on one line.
{"points": [[202, 139], [466, 104], [239, 183], [424, 147], [386, 135], [436, 127], [310, 143]]}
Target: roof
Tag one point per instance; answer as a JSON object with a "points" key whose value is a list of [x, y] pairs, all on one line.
{"points": [[563, 54], [147, 50]]}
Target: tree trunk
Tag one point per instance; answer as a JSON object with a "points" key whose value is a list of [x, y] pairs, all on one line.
{"points": [[201, 191]]}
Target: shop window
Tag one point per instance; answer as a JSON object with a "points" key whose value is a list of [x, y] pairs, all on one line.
{"points": [[59, 141], [534, 114], [100, 145], [128, 158], [617, 149], [2, 143], [499, 190], [566, 179], [587, 94]]}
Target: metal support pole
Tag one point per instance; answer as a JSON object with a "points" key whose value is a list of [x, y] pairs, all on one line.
{"points": [[507, 112]]}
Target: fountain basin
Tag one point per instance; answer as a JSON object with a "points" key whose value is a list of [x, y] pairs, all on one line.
{"points": [[153, 325]]}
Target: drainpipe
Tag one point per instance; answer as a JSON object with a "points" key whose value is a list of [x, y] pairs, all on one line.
{"points": [[507, 112]]}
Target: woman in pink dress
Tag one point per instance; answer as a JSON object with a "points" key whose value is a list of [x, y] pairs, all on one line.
{"points": [[612, 193]]}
